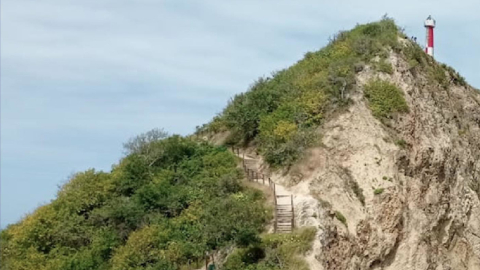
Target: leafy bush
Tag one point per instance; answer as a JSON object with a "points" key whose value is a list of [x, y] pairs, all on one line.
{"points": [[160, 208], [378, 191], [385, 99], [275, 251]]}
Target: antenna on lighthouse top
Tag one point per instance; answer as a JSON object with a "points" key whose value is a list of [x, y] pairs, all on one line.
{"points": [[430, 25]]}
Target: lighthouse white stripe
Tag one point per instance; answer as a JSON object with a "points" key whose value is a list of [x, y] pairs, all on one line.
{"points": [[430, 51]]}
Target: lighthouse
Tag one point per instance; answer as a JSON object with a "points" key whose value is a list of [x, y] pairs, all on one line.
{"points": [[429, 25]]}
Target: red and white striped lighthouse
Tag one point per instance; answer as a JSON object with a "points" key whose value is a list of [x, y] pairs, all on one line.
{"points": [[429, 24]]}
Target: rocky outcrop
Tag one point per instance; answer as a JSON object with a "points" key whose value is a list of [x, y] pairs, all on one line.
{"points": [[408, 187]]}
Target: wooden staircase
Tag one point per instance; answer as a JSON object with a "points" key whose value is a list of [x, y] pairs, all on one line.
{"points": [[284, 208], [284, 214]]}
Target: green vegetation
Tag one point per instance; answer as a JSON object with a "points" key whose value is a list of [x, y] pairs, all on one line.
{"points": [[378, 191], [384, 66], [416, 57], [456, 77], [385, 99], [280, 113], [275, 251], [401, 143], [169, 201], [419, 61], [358, 191], [341, 218]]}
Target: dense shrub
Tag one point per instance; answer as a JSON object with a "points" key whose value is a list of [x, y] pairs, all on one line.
{"points": [[385, 99], [160, 208], [275, 251]]}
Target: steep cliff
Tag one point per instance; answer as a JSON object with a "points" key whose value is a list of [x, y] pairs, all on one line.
{"points": [[419, 174]]}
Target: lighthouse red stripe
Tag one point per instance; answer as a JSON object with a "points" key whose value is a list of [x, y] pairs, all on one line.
{"points": [[430, 37]]}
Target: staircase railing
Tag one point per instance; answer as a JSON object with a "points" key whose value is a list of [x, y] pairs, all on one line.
{"points": [[254, 176]]}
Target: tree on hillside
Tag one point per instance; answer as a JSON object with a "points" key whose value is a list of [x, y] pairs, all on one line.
{"points": [[146, 145]]}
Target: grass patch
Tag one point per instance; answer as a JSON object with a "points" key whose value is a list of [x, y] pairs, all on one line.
{"points": [[416, 57], [276, 251], [341, 218], [385, 99], [384, 66], [401, 143], [358, 191], [443, 74]]}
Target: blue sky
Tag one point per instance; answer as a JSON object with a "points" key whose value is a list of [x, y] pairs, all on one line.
{"points": [[81, 77]]}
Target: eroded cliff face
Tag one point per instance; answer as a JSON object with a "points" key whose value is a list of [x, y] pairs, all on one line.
{"points": [[419, 174]]}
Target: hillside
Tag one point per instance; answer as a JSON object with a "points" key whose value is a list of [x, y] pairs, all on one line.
{"points": [[378, 143], [384, 137]]}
